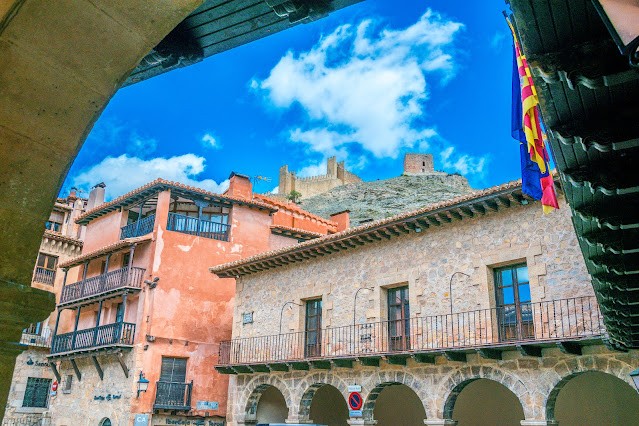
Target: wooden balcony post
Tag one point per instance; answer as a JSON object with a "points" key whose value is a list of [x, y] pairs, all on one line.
{"points": [[64, 280], [128, 268], [84, 277], [57, 321], [137, 222], [106, 270], [75, 328], [200, 205], [97, 324]]}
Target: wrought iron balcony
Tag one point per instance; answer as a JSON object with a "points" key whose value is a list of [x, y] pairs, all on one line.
{"points": [[527, 327], [138, 228], [34, 335], [101, 284], [202, 228], [116, 334], [44, 276], [173, 396]]}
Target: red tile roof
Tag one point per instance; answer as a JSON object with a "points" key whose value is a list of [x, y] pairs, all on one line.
{"points": [[102, 251], [293, 208], [63, 238]]}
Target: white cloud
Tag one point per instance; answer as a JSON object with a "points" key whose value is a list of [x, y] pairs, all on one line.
{"points": [[124, 173], [210, 141], [275, 190], [464, 164], [313, 170], [498, 40], [142, 144], [365, 88]]}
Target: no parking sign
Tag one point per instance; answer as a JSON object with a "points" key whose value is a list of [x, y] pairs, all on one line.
{"points": [[355, 402]]}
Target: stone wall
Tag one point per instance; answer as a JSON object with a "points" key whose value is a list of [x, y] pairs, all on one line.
{"points": [[535, 382], [425, 262]]}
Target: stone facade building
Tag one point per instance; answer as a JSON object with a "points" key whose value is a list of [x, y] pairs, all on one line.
{"points": [[336, 175], [32, 378], [139, 304], [477, 310], [418, 164]]}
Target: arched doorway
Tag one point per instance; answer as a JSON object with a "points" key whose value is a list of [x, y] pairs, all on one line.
{"points": [[484, 402], [270, 406], [105, 422], [328, 407], [594, 398], [397, 405]]}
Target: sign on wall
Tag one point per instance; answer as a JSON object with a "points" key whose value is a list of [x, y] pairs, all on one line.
{"points": [[355, 402], [207, 405], [247, 317], [141, 420], [354, 388]]}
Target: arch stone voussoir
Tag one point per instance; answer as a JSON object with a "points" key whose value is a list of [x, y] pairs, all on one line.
{"points": [[453, 385], [566, 371], [254, 390], [385, 379], [312, 384]]}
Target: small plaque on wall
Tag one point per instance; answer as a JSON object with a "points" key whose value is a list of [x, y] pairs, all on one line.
{"points": [[247, 317]]}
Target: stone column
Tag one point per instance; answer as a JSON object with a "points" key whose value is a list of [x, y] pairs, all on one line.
{"points": [[539, 423], [440, 422]]}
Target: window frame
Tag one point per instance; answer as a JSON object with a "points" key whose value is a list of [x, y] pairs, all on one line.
{"points": [[42, 384]]}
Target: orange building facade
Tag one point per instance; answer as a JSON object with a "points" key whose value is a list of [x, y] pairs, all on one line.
{"points": [[140, 305]]}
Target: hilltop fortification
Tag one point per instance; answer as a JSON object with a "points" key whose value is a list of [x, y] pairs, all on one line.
{"points": [[336, 175]]}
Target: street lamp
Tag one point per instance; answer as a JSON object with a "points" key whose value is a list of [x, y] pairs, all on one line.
{"points": [[290, 302], [450, 289], [635, 378], [621, 18], [355, 301], [143, 384]]}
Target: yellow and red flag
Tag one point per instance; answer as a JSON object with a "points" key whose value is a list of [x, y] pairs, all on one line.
{"points": [[532, 128]]}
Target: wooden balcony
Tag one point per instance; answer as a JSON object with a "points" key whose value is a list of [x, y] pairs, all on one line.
{"points": [[37, 336], [173, 396], [138, 228], [110, 283], [566, 323], [199, 227], [116, 335], [44, 276]]}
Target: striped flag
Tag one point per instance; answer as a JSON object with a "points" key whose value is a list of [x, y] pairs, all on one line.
{"points": [[532, 130]]}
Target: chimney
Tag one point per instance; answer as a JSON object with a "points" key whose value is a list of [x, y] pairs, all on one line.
{"points": [[342, 219], [240, 186], [96, 196]]}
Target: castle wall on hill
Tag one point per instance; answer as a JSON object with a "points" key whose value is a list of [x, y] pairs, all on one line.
{"points": [[336, 175], [418, 164]]}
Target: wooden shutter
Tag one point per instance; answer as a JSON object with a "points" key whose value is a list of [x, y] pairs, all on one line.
{"points": [[173, 370]]}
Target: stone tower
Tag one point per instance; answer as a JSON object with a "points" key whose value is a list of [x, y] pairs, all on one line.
{"points": [[418, 164]]}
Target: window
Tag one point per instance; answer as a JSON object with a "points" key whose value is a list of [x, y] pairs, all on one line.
{"points": [[398, 319], [53, 226], [36, 394], [313, 328], [173, 370], [125, 259], [514, 309], [67, 381], [45, 269]]}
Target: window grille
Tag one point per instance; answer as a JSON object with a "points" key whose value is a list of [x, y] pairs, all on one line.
{"points": [[67, 381], [37, 392]]}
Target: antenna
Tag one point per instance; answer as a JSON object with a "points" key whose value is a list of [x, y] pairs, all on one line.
{"points": [[257, 179]]}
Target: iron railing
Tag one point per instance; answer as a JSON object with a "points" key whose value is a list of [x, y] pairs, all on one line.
{"points": [[189, 225], [102, 283], [36, 335], [119, 333], [173, 396], [577, 317], [138, 228], [44, 276]]}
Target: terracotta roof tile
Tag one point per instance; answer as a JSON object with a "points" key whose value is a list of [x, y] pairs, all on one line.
{"points": [[294, 208], [298, 230], [63, 238]]}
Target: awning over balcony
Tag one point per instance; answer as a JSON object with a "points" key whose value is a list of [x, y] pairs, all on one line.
{"points": [[588, 97], [103, 251]]}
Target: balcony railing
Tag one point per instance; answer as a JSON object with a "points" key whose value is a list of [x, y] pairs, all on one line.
{"points": [[173, 396], [44, 276], [102, 283], [36, 336], [574, 318], [206, 229], [138, 228], [119, 333]]}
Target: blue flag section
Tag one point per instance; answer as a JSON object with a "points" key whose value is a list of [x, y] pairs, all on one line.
{"points": [[530, 173]]}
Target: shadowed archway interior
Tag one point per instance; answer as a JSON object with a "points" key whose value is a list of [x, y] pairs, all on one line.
{"points": [[329, 407], [593, 398], [484, 402], [398, 405]]}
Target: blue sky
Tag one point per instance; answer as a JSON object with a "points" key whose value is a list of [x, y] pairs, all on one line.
{"points": [[368, 84]]}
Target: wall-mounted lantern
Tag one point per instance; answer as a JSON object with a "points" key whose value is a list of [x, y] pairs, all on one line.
{"points": [[635, 378], [621, 18], [143, 384]]}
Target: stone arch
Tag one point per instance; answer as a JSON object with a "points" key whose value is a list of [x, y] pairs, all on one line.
{"points": [[567, 370], [311, 384], [458, 380], [255, 389], [105, 422], [389, 378]]}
